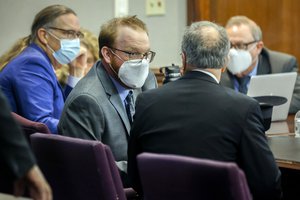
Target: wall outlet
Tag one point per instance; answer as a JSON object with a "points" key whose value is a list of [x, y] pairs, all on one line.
{"points": [[121, 8], [155, 7]]}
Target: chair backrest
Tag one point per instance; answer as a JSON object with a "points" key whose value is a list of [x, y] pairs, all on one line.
{"points": [[175, 177], [76, 168], [30, 127]]}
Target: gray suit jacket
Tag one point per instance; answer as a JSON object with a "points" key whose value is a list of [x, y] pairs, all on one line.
{"points": [[271, 62], [94, 111]]}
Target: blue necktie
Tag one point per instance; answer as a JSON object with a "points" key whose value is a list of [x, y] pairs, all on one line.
{"points": [[243, 84], [129, 105]]}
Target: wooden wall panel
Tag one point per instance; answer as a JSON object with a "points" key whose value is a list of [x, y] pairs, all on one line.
{"points": [[278, 19]]}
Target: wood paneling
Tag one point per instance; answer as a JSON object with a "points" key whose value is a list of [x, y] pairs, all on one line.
{"points": [[278, 19]]}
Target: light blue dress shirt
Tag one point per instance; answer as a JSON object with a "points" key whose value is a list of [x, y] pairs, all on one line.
{"points": [[252, 73]]}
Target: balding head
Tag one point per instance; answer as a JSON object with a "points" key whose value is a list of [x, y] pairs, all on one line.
{"points": [[243, 20], [205, 45]]}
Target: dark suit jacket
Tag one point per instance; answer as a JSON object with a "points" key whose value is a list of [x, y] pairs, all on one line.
{"points": [[94, 110], [195, 116], [16, 156], [271, 62]]}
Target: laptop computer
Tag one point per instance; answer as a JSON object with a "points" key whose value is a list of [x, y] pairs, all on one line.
{"points": [[280, 84]]}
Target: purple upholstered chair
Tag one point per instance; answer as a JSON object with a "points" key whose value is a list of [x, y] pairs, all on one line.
{"points": [[77, 169], [29, 127], [129, 192], [175, 177]]}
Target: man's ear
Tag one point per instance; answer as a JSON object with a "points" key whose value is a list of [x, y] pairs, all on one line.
{"points": [[260, 45], [223, 69], [42, 36], [183, 58], [105, 51]]}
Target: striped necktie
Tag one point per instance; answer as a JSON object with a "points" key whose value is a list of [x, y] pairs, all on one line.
{"points": [[243, 82], [129, 105]]}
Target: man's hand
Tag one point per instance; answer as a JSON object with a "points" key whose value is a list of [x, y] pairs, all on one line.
{"points": [[37, 184], [77, 67]]}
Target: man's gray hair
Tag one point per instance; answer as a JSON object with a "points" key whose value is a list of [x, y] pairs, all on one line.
{"points": [[239, 20], [206, 45]]}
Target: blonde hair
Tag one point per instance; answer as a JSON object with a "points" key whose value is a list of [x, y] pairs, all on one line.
{"points": [[109, 30], [90, 41], [15, 50]]}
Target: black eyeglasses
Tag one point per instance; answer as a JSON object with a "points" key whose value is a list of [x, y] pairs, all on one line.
{"points": [[134, 55], [70, 34], [242, 46]]}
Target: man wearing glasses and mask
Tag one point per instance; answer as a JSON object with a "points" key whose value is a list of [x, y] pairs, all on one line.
{"points": [[28, 79], [249, 57], [101, 106]]}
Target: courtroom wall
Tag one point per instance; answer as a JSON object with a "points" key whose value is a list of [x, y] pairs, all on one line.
{"points": [[165, 30], [278, 19]]}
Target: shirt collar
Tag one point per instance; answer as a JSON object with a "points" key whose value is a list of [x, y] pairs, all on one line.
{"points": [[254, 71], [122, 91], [208, 73]]}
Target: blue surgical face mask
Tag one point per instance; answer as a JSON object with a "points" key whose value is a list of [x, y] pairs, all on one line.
{"points": [[69, 49]]}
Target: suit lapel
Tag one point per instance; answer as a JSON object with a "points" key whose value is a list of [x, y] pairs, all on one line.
{"points": [[113, 96], [264, 66]]}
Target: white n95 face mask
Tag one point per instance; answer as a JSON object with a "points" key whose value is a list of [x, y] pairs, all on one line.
{"points": [[239, 60], [133, 73]]}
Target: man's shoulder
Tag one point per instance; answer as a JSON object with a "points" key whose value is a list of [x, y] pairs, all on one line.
{"points": [[88, 88], [279, 61], [31, 55], [237, 97], [276, 55], [92, 83]]}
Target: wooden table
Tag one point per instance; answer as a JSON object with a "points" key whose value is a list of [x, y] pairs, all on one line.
{"points": [[282, 128], [286, 151], [283, 143]]}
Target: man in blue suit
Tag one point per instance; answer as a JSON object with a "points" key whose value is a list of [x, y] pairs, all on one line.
{"points": [[28, 80]]}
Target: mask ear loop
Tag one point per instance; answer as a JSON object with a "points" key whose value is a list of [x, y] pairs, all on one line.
{"points": [[49, 46], [53, 35], [110, 64], [253, 60], [112, 69], [116, 54]]}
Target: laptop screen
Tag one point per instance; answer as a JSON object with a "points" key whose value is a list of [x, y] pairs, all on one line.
{"points": [[280, 84]]}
